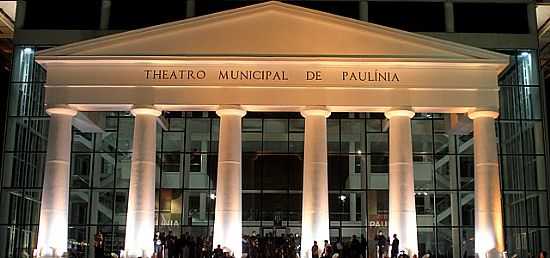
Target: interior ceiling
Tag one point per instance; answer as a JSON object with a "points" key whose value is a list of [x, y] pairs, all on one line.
{"points": [[543, 23]]}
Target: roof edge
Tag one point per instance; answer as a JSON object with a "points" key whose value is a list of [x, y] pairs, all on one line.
{"points": [[446, 45]]}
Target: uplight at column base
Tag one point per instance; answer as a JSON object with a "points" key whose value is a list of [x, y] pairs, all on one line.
{"points": [[48, 253], [135, 254]]}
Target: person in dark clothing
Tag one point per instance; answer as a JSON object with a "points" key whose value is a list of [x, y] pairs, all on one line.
{"points": [[192, 247], [355, 247], [253, 249], [171, 245], [99, 245], [381, 244], [204, 246], [395, 246], [315, 250], [218, 252], [327, 251], [364, 246]]}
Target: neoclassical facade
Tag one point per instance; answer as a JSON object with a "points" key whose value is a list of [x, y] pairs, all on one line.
{"points": [[261, 59]]}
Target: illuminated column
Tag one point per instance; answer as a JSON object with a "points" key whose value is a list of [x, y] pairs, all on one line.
{"points": [[315, 212], [228, 216], [53, 228], [140, 219], [489, 235], [402, 213]]}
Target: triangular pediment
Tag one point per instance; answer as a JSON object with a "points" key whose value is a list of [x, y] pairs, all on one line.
{"points": [[272, 29]]}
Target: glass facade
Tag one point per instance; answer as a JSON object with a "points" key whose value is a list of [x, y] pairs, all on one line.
{"points": [[272, 164]]}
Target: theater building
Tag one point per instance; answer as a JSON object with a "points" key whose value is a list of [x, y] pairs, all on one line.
{"points": [[275, 118]]}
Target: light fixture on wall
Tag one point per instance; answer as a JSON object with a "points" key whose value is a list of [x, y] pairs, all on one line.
{"points": [[342, 198]]}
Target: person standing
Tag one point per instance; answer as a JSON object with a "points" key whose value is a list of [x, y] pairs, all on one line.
{"points": [[327, 251], [99, 245], [315, 250], [158, 244], [380, 244], [171, 245], [355, 247], [364, 246], [218, 252], [394, 246]]}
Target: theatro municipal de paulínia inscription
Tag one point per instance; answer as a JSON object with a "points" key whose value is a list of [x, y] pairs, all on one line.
{"points": [[269, 75]]}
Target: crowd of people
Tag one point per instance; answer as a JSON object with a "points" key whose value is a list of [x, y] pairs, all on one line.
{"points": [[255, 246], [184, 246], [168, 245], [353, 248]]}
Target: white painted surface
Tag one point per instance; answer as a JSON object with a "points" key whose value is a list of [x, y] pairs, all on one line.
{"points": [[489, 240], [315, 211], [436, 76], [140, 220], [9, 7], [107, 73], [54, 221], [402, 209], [228, 211]]}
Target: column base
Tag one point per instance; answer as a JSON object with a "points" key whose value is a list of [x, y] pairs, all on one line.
{"points": [[493, 254], [135, 254], [49, 253]]}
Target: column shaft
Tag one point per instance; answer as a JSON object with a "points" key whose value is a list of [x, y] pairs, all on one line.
{"points": [[402, 210], [140, 220], [489, 235], [53, 228], [228, 218], [315, 211]]}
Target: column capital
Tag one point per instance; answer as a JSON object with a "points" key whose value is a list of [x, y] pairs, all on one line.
{"points": [[61, 110], [145, 111], [315, 111], [483, 113], [230, 110], [399, 112]]}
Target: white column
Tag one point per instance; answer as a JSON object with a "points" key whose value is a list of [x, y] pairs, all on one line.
{"points": [[54, 220], [140, 219], [402, 213], [489, 231], [228, 216], [315, 212]]}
